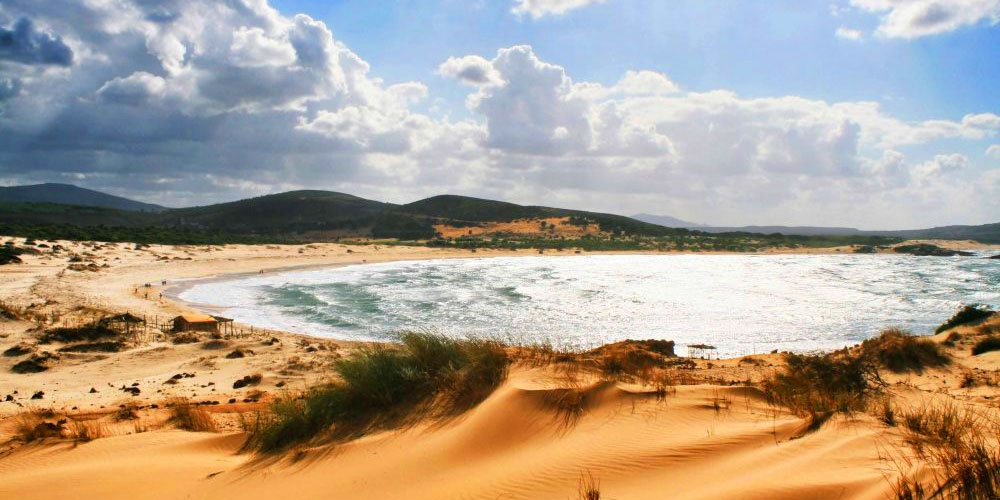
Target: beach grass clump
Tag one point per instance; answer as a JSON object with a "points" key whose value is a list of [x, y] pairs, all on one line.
{"points": [[589, 487], [962, 448], [383, 385], [900, 352], [90, 333], [84, 431], [987, 344], [186, 415], [966, 314], [632, 359], [818, 386]]}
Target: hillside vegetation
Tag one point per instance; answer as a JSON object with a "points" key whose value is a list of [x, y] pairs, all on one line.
{"points": [[311, 215]]}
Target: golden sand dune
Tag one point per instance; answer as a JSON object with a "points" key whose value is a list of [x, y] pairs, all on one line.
{"points": [[698, 442]]}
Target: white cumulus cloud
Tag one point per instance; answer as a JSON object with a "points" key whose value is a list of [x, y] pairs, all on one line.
{"points": [[541, 8], [918, 18]]}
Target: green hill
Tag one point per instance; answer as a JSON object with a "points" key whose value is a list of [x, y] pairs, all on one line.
{"points": [[469, 209], [290, 212], [312, 215], [68, 194]]}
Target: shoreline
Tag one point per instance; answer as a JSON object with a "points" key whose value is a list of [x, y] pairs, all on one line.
{"points": [[318, 330]]}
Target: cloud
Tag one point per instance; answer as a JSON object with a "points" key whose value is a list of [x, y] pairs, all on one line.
{"points": [[24, 43], [472, 70], [138, 88], [917, 18], [849, 34], [187, 102], [9, 87], [984, 120], [540, 8], [940, 165], [993, 151]]}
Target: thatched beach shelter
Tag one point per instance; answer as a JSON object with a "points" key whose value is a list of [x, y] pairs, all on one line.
{"points": [[226, 324], [196, 323], [124, 323]]}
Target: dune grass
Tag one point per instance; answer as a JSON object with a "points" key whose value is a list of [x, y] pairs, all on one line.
{"points": [[589, 487], [966, 314], [962, 447], [384, 385], [900, 352], [987, 344], [189, 417], [818, 386]]}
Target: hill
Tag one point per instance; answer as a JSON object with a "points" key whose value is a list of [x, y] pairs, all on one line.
{"points": [[985, 233], [667, 221], [293, 211], [324, 215], [68, 194], [468, 209]]}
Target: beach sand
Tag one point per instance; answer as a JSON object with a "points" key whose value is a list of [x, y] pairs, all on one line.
{"points": [[708, 438]]}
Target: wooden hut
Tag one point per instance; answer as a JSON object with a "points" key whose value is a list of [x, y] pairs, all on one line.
{"points": [[225, 324], [196, 323], [124, 323]]}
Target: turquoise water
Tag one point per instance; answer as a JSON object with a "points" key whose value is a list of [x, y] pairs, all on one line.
{"points": [[739, 303]]}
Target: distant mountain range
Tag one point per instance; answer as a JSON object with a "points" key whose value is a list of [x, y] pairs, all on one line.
{"points": [[666, 220], [306, 214], [986, 233], [69, 194], [325, 214]]}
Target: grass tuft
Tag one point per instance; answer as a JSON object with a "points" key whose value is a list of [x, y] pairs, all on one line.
{"points": [[188, 416], [987, 344], [901, 352], [382, 385], [966, 314], [963, 449], [589, 487], [819, 386]]}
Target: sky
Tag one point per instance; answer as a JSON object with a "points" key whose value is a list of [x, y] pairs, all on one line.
{"points": [[876, 114]]}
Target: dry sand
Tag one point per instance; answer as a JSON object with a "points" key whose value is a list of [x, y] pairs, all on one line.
{"points": [[705, 440]]}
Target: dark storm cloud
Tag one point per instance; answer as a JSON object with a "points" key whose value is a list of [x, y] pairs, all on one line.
{"points": [[25, 44], [9, 87]]}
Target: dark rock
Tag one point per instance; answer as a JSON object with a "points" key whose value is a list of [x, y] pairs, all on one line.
{"points": [[38, 395], [247, 381]]}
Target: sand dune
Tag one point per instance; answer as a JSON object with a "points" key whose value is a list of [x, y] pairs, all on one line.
{"points": [[699, 442]]}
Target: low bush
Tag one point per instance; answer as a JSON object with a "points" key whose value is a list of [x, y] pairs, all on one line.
{"points": [[967, 314], [382, 385], [901, 352], [108, 346], [818, 386], [987, 344], [90, 333]]}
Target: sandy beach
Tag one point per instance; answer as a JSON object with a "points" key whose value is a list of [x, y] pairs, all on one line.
{"points": [[711, 436]]}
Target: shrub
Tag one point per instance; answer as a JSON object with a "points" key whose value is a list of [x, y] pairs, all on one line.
{"points": [[381, 385], [901, 352], [967, 314], [991, 343], [84, 333], [818, 386]]}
